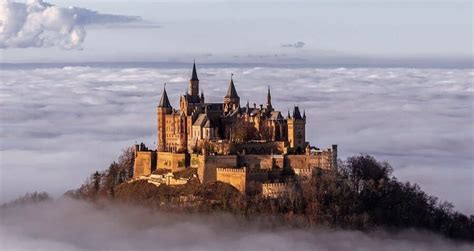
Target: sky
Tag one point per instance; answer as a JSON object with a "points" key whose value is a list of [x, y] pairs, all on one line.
{"points": [[311, 32]]}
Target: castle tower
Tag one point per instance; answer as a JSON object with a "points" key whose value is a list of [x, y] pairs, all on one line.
{"points": [[231, 99], [296, 130], [193, 88], [164, 108]]}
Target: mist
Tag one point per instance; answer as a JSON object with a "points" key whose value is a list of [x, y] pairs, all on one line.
{"points": [[68, 224]]}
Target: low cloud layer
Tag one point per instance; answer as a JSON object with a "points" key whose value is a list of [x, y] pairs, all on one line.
{"points": [[61, 124], [39, 24], [297, 45], [73, 225]]}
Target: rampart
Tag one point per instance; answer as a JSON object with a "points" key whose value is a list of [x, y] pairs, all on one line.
{"points": [[275, 190], [171, 161], [320, 159], [272, 147], [209, 163], [236, 177]]}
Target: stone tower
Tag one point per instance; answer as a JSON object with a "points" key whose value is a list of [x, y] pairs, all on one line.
{"points": [[164, 108], [231, 99], [296, 130]]}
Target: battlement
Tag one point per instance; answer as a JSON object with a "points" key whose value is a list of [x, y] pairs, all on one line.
{"points": [[257, 171], [275, 190], [275, 185], [231, 170]]}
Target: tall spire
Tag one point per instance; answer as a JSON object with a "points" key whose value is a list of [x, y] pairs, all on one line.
{"points": [[164, 101], [194, 76], [231, 92], [193, 87], [269, 98]]}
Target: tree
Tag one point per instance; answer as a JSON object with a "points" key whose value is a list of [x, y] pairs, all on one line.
{"points": [[96, 178], [242, 131]]}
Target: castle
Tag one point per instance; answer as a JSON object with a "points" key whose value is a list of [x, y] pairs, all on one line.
{"points": [[249, 147]]}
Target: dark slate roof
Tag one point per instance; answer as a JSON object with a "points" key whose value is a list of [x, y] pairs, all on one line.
{"points": [[164, 101], [201, 120], [194, 76], [296, 113], [231, 92]]}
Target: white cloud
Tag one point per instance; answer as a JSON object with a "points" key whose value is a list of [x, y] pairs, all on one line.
{"points": [[40, 24], [73, 225], [60, 124]]}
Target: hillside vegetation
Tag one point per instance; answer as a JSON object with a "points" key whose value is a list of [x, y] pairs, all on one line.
{"points": [[361, 194]]}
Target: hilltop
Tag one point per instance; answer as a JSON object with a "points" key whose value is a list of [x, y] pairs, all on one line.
{"points": [[362, 194]]}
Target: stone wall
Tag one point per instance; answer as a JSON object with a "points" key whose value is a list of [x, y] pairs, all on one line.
{"points": [[320, 159], [254, 161], [275, 147], [145, 162], [275, 190], [171, 161], [233, 176], [209, 163]]}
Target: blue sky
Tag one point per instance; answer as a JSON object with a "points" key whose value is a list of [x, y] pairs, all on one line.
{"points": [[249, 31]]}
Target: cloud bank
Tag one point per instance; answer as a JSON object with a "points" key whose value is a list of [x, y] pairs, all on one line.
{"points": [[61, 124], [73, 225], [40, 24]]}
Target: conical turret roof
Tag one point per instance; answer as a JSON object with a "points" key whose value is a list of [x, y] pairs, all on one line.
{"points": [[164, 101], [231, 92], [194, 76]]}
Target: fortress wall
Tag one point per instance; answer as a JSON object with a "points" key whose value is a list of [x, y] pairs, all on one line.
{"points": [[256, 161], [297, 161], [172, 161], [275, 190], [144, 164], [207, 165], [275, 147], [323, 160], [257, 175], [233, 176]]}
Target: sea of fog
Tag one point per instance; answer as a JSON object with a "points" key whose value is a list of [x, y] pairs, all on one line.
{"points": [[74, 225], [59, 124]]}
